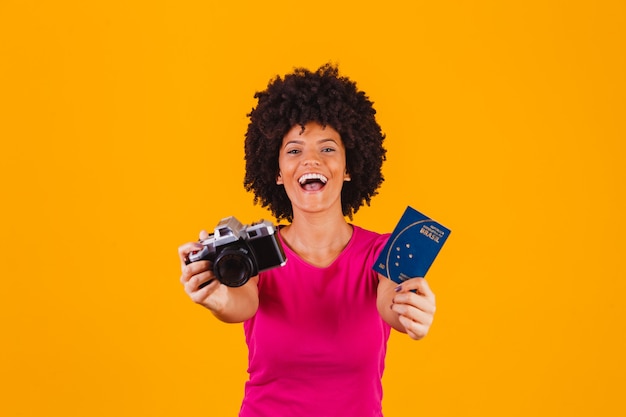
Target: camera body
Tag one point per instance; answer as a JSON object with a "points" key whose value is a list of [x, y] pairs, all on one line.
{"points": [[239, 252]]}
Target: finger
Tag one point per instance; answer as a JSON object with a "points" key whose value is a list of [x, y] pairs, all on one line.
{"points": [[198, 281], [416, 300], [413, 314], [194, 268], [419, 285], [414, 330], [186, 249], [201, 294], [424, 288], [203, 235]]}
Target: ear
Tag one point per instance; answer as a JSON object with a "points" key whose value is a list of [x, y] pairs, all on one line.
{"points": [[346, 176], [279, 179]]}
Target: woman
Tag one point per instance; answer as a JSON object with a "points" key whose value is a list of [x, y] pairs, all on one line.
{"points": [[316, 328]]}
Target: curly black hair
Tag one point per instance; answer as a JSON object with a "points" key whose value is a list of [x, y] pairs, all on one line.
{"points": [[329, 99]]}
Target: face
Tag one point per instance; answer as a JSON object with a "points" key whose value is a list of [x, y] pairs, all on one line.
{"points": [[312, 168]]}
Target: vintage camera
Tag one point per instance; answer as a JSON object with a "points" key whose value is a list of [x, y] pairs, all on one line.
{"points": [[239, 252]]}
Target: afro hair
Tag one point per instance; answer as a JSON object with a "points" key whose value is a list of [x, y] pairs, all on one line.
{"points": [[329, 99]]}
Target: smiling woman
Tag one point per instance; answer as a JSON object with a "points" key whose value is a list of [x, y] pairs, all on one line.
{"points": [[316, 328]]}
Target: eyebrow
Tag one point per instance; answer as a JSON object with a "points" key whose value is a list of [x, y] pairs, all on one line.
{"points": [[300, 141]]}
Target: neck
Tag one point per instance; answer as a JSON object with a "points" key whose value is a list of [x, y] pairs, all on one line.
{"points": [[317, 239]]}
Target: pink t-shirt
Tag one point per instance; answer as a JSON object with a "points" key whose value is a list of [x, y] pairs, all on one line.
{"points": [[317, 343]]}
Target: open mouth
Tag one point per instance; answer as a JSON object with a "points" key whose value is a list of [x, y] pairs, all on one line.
{"points": [[312, 182]]}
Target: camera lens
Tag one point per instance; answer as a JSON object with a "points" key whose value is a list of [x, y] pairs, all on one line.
{"points": [[233, 267]]}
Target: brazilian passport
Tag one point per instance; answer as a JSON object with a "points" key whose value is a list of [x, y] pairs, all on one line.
{"points": [[412, 247]]}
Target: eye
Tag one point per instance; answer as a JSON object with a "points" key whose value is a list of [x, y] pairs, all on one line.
{"points": [[293, 151], [328, 150]]}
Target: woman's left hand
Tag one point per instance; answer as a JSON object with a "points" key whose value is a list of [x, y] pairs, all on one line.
{"points": [[415, 305]]}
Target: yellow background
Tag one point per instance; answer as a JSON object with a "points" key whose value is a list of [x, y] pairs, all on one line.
{"points": [[122, 135]]}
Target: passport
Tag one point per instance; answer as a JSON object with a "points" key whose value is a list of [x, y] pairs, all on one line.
{"points": [[412, 247]]}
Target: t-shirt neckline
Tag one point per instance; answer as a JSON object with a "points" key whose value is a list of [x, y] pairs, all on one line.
{"points": [[291, 252]]}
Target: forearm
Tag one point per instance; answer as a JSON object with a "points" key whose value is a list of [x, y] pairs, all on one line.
{"points": [[386, 292]]}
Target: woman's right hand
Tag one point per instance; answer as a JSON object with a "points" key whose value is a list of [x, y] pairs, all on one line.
{"points": [[197, 274], [231, 305]]}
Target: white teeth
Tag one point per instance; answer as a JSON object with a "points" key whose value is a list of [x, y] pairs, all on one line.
{"points": [[307, 177]]}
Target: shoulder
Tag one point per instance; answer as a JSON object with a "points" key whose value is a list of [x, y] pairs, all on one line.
{"points": [[362, 234], [369, 241]]}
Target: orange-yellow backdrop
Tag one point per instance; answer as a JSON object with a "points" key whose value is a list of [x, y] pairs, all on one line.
{"points": [[121, 128]]}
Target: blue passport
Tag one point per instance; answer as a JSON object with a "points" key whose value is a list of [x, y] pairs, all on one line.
{"points": [[412, 247]]}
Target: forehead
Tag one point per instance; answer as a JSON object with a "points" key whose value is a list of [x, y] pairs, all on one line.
{"points": [[311, 131]]}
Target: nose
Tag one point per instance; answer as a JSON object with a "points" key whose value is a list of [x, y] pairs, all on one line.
{"points": [[311, 162], [311, 159]]}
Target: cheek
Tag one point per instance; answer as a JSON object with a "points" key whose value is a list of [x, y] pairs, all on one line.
{"points": [[285, 167]]}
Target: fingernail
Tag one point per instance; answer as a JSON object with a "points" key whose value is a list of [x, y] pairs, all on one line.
{"points": [[398, 288]]}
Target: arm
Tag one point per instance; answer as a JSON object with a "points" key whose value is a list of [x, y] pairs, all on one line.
{"points": [[228, 304], [406, 311]]}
